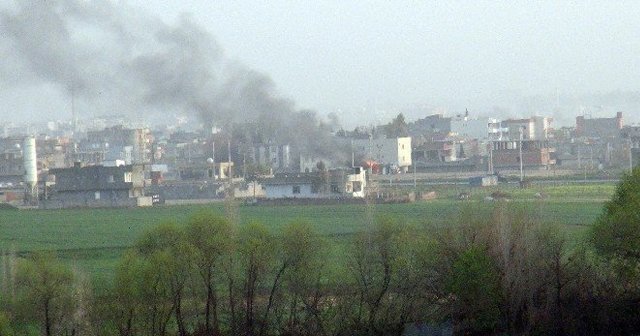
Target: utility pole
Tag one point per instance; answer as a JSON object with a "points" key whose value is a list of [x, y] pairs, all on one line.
{"points": [[579, 158], [353, 155], [213, 158], [229, 158], [521, 128], [415, 181], [490, 157], [630, 157]]}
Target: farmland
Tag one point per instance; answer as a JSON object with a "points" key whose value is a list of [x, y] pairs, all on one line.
{"points": [[94, 239]]}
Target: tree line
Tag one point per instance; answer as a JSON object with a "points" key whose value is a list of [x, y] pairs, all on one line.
{"points": [[492, 271]]}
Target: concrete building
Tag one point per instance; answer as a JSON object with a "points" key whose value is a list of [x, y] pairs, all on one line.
{"points": [[437, 151], [309, 163], [534, 128], [277, 157], [356, 183], [600, 128], [12, 160], [204, 171], [479, 128], [120, 143], [296, 185], [394, 153], [11, 167], [631, 135], [96, 186], [328, 184], [429, 126], [535, 154]]}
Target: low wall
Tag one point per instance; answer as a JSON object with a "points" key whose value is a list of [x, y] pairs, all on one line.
{"points": [[89, 203], [309, 201], [186, 191]]}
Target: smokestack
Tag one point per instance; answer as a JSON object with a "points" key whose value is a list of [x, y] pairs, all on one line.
{"points": [[30, 164]]}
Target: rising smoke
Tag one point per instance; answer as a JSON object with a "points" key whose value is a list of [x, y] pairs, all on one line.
{"points": [[100, 52]]}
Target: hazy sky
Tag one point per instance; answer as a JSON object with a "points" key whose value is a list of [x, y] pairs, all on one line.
{"points": [[360, 56]]}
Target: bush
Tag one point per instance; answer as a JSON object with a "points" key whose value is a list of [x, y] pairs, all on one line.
{"points": [[617, 231]]}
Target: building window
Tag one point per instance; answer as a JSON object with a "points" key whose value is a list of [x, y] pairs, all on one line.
{"points": [[296, 189], [128, 177], [96, 195], [357, 186]]}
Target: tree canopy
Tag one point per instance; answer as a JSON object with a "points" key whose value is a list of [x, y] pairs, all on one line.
{"points": [[397, 127], [617, 231]]}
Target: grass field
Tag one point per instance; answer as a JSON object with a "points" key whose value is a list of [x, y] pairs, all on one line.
{"points": [[94, 239]]}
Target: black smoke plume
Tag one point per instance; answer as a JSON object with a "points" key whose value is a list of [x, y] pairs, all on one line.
{"points": [[102, 52]]}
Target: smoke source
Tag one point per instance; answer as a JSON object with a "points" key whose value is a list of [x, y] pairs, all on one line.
{"points": [[108, 54]]}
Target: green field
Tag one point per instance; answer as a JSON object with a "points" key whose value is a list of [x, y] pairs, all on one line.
{"points": [[93, 239]]}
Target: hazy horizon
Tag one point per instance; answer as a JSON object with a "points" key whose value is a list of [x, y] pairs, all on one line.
{"points": [[365, 63]]}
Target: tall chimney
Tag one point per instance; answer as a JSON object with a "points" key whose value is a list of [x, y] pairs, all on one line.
{"points": [[30, 164]]}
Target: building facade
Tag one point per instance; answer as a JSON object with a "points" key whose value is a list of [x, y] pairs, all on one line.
{"points": [[393, 152], [96, 186], [600, 128], [337, 183], [535, 153], [480, 128], [120, 143], [277, 157], [534, 128]]}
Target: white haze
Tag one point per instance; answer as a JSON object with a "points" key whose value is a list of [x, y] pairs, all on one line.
{"points": [[370, 60]]}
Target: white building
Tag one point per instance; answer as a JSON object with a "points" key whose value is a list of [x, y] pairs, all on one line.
{"points": [[395, 152], [336, 184], [479, 128], [276, 157], [542, 127], [534, 128], [356, 183]]}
